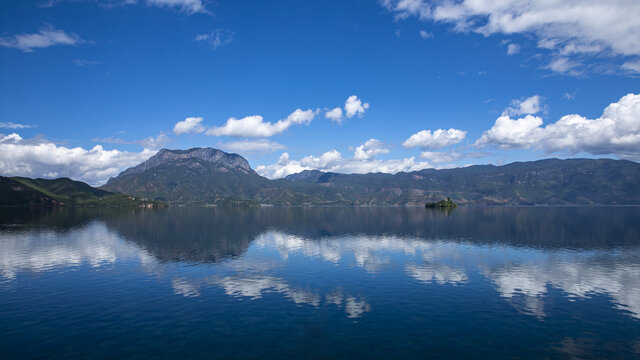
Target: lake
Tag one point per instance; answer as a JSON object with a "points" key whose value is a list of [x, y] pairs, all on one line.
{"points": [[320, 283]]}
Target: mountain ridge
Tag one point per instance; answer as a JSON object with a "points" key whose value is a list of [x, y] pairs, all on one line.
{"points": [[206, 154], [201, 176]]}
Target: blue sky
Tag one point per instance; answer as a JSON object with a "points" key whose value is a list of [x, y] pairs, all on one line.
{"points": [[92, 87]]}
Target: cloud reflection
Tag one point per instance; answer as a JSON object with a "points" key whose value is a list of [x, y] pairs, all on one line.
{"points": [[521, 276]]}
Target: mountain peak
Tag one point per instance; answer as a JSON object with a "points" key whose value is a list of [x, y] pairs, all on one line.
{"points": [[210, 155]]}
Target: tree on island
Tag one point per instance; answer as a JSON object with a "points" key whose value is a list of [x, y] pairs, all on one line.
{"points": [[442, 204]]}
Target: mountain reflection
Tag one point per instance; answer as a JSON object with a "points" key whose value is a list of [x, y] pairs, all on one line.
{"points": [[249, 254]]}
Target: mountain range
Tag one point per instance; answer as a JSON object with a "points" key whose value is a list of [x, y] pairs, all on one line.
{"points": [[201, 176]]}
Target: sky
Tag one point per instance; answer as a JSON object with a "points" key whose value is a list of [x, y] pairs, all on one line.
{"points": [[89, 88]]}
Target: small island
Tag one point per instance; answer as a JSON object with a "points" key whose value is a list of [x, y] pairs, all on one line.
{"points": [[442, 204]]}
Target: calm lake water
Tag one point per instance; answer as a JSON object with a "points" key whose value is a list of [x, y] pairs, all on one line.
{"points": [[320, 283]]}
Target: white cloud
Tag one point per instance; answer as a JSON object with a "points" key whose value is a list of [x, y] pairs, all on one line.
{"points": [[438, 139], [563, 27], [244, 146], [216, 38], [44, 38], [148, 143], [633, 66], [513, 49], [334, 115], [45, 159], [563, 65], [190, 125], [616, 131], [11, 138], [425, 35], [188, 6], [369, 149], [530, 105], [151, 142], [332, 161], [11, 125], [354, 106], [185, 6], [570, 95], [254, 126], [510, 133], [85, 63], [439, 157]]}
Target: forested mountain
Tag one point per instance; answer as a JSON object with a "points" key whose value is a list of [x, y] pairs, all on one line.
{"points": [[209, 176]]}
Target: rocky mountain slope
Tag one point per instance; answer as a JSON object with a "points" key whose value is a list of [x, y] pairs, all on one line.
{"points": [[201, 176]]}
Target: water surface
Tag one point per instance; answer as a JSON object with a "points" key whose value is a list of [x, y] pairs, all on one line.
{"points": [[323, 283]]}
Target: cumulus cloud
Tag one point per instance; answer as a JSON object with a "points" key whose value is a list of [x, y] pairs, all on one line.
{"points": [[513, 49], [369, 149], [563, 27], [216, 38], [254, 126], [44, 38], [530, 105], [95, 166], [354, 106], [245, 146], [11, 125], [11, 138], [616, 131], [332, 161], [334, 115], [440, 138], [190, 125]]}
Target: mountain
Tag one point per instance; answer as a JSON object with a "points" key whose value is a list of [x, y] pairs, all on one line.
{"points": [[211, 176], [201, 176], [543, 182], [21, 191], [15, 193]]}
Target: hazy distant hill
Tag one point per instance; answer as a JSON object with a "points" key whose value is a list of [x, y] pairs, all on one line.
{"points": [[21, 191], [207, 176], [551, 182]]}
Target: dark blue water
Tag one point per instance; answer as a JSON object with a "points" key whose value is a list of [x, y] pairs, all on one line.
{"points": [[323, 283]]}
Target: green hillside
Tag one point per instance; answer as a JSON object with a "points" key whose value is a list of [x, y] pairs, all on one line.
{"points": [[21, 191]]}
